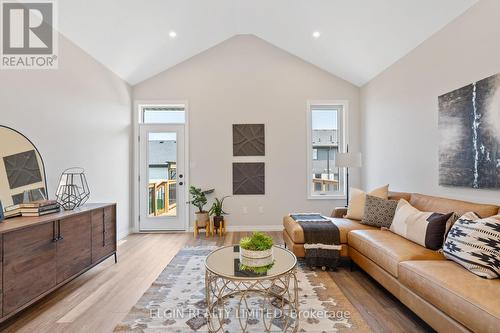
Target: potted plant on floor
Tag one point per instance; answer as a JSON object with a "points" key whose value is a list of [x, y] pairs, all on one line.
{"points": [[199, 200], [217, 211], [256, 253]]}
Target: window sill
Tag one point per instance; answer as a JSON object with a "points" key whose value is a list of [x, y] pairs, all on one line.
{"points": [[327, 197]]}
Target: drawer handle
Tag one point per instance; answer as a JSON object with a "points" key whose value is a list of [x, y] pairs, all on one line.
{"points": [[54, 237]]}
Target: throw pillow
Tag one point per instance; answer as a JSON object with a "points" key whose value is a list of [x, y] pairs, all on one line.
{"points": [[424, 228], [379, 212], [475, 244], [356, 208]]}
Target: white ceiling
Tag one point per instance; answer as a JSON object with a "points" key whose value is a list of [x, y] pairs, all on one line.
{"points": [[359, 38]]}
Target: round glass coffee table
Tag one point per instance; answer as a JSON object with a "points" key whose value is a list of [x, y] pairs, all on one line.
{"points": [[259, 303]]}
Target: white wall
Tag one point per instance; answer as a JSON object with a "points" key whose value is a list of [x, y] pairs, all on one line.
{"points": [[77, 115], [246, 80], [400, 106]]}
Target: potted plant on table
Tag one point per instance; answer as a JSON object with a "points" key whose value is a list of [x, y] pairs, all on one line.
{"points": [[199, 200], [256, 253], [217, 211]]}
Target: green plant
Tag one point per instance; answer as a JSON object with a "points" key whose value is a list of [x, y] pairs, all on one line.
{"points": [[257, 270], [198, 198], [217, 207], [257, 242]]}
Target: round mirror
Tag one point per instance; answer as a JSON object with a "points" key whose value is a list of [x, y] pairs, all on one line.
{"points": [[22, 173]]}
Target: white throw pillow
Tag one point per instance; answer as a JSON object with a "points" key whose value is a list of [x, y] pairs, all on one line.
{"points": [[424, 228], [356, 209], [474, 243]]}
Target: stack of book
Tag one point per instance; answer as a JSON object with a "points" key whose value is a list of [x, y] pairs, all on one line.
{"points": [[34, 208]]}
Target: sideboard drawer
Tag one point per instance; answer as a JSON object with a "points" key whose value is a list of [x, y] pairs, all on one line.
{"points": [[29, 265]]}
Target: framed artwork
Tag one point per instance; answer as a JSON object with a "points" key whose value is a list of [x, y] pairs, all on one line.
{"points": [[249, 140], [22, 173], [469, 128], [248, 178]]}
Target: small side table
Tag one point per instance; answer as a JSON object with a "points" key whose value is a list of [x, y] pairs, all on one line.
{"points": [[277, 292]]}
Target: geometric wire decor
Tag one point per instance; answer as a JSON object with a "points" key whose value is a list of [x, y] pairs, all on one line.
{"points": [[73, 190]]}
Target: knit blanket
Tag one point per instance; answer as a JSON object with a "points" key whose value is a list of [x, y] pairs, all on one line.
{"points": [[321, 239]]}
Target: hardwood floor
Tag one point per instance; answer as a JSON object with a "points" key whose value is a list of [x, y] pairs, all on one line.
{"points": [[97, 300]]}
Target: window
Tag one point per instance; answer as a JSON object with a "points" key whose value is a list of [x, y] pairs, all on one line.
{"points": [[315, 154], [325, 139], [165, 114]]}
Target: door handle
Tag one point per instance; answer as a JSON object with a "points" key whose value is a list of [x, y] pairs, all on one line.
{"points": [[181, 175], [181, 183]]}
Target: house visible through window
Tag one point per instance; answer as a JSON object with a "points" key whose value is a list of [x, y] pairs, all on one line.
{"points": [[325, 140]]}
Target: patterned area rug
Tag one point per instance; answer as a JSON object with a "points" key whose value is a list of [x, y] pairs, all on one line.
{"points": [[175, 302]]}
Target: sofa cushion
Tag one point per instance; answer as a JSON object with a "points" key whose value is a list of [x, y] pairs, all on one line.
{"points": [[442, 205], [475, 244], [424, 228], [387, 249], [379, 212], [399, 195], [467, 298], [296, 233], [357, 199]]}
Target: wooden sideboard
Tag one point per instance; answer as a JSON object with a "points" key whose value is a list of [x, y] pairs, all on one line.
{"points": [[40, 254]]}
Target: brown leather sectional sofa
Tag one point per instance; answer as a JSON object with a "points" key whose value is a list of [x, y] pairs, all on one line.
{"points": [[444, 294]]}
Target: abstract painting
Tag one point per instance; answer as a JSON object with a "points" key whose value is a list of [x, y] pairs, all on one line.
{"points": [[22, 169], [469, 127], [248, 178], [248, 140]]}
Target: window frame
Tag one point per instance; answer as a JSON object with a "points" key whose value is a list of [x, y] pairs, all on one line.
{"points": [[343, 136], [143, 109]]}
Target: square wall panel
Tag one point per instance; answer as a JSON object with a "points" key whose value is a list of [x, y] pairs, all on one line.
{"points": [[249, 178], [249, 140]]}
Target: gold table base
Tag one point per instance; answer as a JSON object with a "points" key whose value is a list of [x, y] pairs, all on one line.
{"points": [[280, 303]]}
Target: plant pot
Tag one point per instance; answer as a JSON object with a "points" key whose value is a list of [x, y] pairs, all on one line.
{"points": [[218, 221], [202, 219], [256, 254], [256, 258]]}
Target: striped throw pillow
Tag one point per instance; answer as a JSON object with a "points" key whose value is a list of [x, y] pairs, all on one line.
{"points": [[424, 228], [475, 244]]}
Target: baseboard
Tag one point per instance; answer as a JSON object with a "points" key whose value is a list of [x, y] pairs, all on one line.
{"points": [[236, 228], [122, 234]]}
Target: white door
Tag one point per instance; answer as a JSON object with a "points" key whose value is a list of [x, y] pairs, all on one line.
{"points": [[162, 186]]}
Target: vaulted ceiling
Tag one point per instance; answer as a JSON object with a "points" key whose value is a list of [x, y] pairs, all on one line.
{"points": [[358, 38]]}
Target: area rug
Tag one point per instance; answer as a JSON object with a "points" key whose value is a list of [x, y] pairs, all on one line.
{"points": [[175, 302]]}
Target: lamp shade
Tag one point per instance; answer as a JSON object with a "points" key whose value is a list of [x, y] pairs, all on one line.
{"points": [[348, 160]]}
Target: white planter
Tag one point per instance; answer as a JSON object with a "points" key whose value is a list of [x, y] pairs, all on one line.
{"points": [[202, 219], [256, 262], [256, 254], [256, 258]]}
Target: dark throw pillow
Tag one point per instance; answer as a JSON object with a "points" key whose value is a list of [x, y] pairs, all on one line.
{"points": [[379, 212]]}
